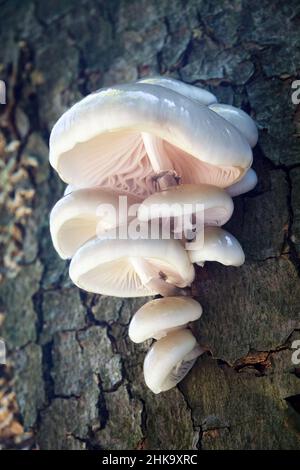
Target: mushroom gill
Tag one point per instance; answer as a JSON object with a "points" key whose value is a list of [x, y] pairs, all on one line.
{"points": [[173, 152]]}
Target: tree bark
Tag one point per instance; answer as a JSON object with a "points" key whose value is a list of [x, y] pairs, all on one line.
{"points": [[77, 377]]}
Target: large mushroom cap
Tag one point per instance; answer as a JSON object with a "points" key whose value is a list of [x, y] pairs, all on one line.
{"points": [[177, 201], [190, 91], [218, 245], [241, 120], [100, 140], [81, 215], [170, 359], [160, 316], [124, 268]]}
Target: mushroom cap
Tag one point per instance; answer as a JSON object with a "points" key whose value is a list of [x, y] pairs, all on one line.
{"points": [[81, 215], [246, 184], [219, 245], [190, 91], [98, 142], [170, 359], [238, 118], [158, 317], [109, 266], [177, 201]]}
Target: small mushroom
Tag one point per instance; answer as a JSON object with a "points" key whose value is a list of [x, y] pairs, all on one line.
{"points": [[159, 317], [181, 200], [238, 118], [218, 245], [121, 137], [81, 215], [246, 184], [131, 268], [170, 359]]}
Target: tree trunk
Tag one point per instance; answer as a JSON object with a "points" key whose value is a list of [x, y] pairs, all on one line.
{"points": [[77, 377]]}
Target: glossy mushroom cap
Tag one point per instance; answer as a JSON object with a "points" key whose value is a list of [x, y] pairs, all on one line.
{"points": [[170, 359], [121, 136], [180, 200], [159, 317], [219, 245], [130, 268], [246, 184], [239, 119], [190, 91], [81, 215]]}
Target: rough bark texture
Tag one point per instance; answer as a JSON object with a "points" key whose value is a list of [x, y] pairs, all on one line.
{"points": [[77, 377]]}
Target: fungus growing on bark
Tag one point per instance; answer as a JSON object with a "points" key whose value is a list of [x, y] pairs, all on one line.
{"points": [[170, 359], [171, 148], [218, 245], [159, 317]]}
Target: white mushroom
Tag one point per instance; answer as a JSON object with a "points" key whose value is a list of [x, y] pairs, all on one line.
{"points": [[190, 91], [172, 146], [246, 184], [83, 214], [238, 118], [218, 245], [241, 120], [170, 359], [187, 199], [121, 137], [159, 317], [131, 268]]}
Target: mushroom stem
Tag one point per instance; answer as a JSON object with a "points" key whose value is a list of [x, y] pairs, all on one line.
{"points": [[165, 175], [155, 281], [156, 152]]}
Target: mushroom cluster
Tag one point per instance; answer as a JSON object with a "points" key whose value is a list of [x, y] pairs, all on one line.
{"points": [[166, 148]]}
